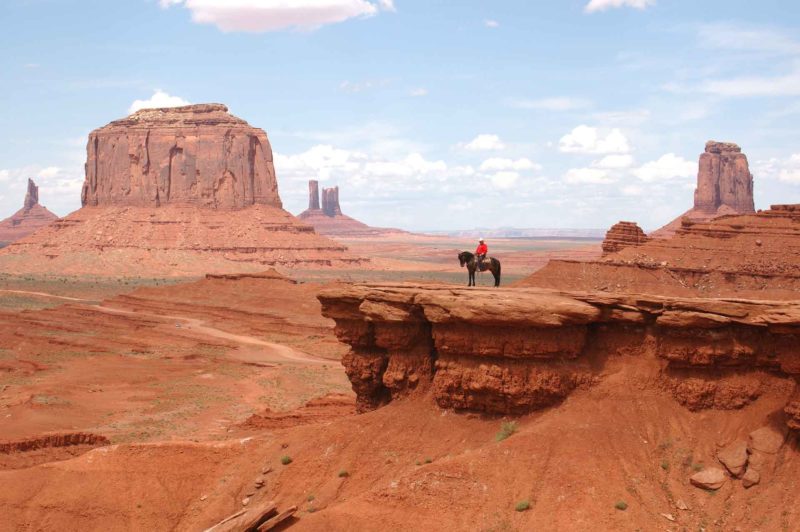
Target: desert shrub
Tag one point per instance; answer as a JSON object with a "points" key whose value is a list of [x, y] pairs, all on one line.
{"points": [[506, 429], [428, 460], [522, 505], [664, 465], [343, 474], [621, 505], [286, 460]]}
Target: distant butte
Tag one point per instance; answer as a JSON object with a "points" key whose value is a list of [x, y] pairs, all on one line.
{"points": [[177, 191], [28, 219], [328, 219], [724, 186]]}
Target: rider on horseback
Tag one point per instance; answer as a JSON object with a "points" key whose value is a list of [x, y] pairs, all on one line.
{"points": [[480, 253]]}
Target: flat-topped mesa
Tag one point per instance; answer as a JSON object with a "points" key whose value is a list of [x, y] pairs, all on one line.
{"points": [[32, 196], [724, 180], [191, 155], [330, 201], [622, 235]]}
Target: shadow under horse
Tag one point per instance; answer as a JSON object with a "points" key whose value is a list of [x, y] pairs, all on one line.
{"points": [[470, 261]]}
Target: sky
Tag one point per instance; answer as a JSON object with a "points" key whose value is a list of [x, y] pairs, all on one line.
{"points": [[428, 114]]}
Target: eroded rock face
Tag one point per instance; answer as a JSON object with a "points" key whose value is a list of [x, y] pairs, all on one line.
{"points": [[28, 219], [330, 201], [623, 235], [196, 154], [313, 195], [723, 179], [518, 350]]}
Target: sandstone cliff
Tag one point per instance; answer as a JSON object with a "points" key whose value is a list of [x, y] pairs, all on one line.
{"points": [[196, 154], [329, 220], [25, 221], [724, 186], [518, 350]]}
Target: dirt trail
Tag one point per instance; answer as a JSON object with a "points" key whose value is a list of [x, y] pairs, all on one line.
{"points": [[44, 294], [198, 326]]}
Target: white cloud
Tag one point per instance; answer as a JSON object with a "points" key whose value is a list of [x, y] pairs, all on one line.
{"points": [[614, 162], [276, 15], [585, 139], [602, 5], [158, 99], [485, 142], [632, 190], [558, 103], [489, 23], [786, 170], [588, 176], [498, 163], [668, 166], [4, 175], [420, 91], [505, 179]]}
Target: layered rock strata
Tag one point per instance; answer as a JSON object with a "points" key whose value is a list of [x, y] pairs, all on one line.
{"points": [[623, 235], [518, 350], [724, 186], [28, 219], [751, 255], [196, 154], [329, 220]]}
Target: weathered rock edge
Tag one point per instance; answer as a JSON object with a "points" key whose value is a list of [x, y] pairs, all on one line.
{"points": [[518, 350]]}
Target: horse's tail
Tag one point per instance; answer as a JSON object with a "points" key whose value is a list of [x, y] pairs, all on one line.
{"points": [[498, 271]]}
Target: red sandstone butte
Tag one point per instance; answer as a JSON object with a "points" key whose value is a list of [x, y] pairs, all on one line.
{"points": [[28, 219], [196, 154], [724, 186], [622, 235], [329, 220], [177, 192]]}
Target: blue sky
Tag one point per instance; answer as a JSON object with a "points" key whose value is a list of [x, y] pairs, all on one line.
{"points": [[428, 114]]}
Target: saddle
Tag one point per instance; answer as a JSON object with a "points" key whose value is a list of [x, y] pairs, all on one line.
{"points": [[483, 264]]}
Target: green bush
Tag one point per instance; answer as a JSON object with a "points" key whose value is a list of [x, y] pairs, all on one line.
{"points": [[506, 429], [621, 505], [286, 460], [343, 474], [428, 460], [665, 465], [522, 505]]}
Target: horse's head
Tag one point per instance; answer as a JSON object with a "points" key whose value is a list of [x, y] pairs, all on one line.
{"points": [[462, 258]]}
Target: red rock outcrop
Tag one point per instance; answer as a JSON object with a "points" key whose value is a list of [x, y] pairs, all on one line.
{"points": [[524, 349], [623, 235], [172, 192], [749, 255], [724, 186], [196, 154], [329, 220], [25, 221]]}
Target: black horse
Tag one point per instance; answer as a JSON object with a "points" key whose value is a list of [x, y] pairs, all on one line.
{"points": [[492, 264]]}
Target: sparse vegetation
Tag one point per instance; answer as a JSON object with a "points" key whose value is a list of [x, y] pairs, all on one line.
{"points": [[697, 467], [310, 498], [621, 505], [506, 429], [343, 474], [522, 505], [665, 465], [428, 460], [286, 460]]}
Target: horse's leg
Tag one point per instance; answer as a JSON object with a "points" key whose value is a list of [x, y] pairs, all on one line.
{"points": [[496, 278]]}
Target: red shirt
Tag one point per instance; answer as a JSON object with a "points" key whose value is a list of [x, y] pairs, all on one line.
{"points": [[482, 249]]}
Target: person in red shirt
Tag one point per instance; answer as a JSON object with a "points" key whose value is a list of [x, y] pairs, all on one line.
{"points": [[481, 251]]}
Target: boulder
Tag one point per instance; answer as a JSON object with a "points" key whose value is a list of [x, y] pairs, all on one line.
{"points": [[766, 439], [623, 235], [734, 457], [750, 478], [711, 478]]}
